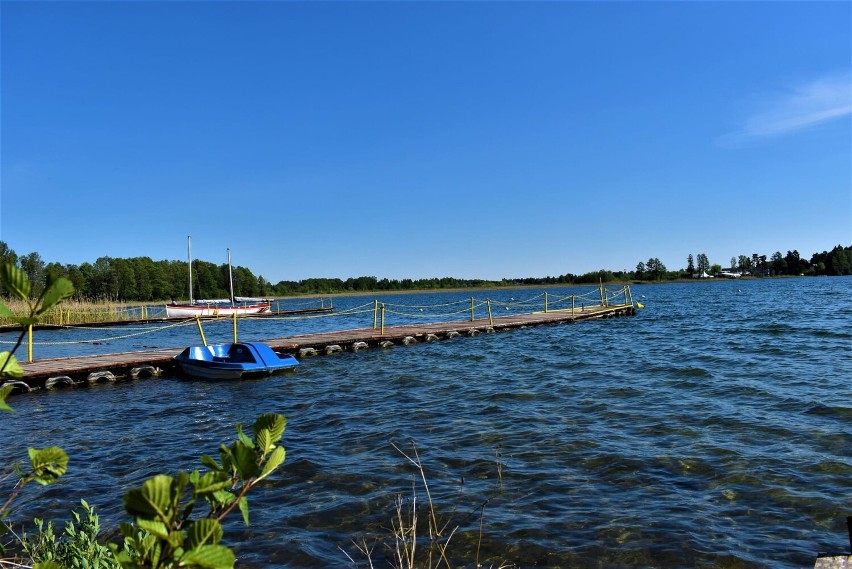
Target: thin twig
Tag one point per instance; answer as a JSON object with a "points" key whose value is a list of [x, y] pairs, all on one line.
{"points": [[365, 551]]}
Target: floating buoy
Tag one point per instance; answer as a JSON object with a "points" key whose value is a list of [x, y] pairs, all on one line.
{"points": [[307, 352], [431, 337], [408, 340], [452, 334], [640, 305], [359, 346], [472, 332], [386, 344], [332, 349], [489, 329]]}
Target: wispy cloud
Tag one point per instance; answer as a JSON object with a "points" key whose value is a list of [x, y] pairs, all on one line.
{"points": [[797, 109]]}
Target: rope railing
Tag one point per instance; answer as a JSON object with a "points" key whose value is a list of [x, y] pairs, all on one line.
{"points": [[315, 316], [532, 301], [598, 296], [517, 305], [427, 305], [107, 338], [431, 315], [309, 303]]}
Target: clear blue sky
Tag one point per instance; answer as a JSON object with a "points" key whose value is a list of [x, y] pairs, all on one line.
{"points": [[425, 139]]}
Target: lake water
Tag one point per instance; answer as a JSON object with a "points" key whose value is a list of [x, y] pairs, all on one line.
{"points": [[712, 429]]}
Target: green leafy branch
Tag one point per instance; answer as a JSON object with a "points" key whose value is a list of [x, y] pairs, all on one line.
{"points": [[46, 465], [18, 285], [166, 536]]}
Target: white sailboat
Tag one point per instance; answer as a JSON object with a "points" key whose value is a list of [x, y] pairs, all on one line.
{"points": [[222, 307]]}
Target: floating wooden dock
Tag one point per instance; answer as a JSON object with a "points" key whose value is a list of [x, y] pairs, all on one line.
{"points": [[83, 370]]}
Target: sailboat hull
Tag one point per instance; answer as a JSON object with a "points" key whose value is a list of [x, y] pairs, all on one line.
{"points": [[192, 310]]}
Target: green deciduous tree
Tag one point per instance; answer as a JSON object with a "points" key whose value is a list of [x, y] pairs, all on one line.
{"points": [[655, 269], [34, 269], [703, 264], [779, 265]]}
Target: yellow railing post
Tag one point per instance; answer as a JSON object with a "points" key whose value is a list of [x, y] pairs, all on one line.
{"points": [[30, 343], [375, 312], [471, 309], [200, 330], [383, 319], [235, 327], [572, 307], [488, 304], [545, 302]]}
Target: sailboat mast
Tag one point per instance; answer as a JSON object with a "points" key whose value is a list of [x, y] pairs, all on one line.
{"points": [[189, 255], [231, 276]]}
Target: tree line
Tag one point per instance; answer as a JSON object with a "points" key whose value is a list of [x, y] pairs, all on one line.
{"points": [[141, 279], [836, 262]]}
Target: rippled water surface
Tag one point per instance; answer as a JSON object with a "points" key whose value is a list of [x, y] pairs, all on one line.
{"points": [[712, 429]]}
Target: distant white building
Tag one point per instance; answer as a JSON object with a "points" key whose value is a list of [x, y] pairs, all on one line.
{"points": [[729, 273]]}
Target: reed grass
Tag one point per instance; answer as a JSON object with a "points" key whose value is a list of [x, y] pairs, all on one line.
{"points": [[72, 312], [408, 548]]}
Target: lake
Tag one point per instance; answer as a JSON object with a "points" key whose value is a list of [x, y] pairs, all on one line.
{"points": [[714, 428]]}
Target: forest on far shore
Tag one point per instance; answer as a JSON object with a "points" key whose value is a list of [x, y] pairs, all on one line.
{"points": [[143, 279]]}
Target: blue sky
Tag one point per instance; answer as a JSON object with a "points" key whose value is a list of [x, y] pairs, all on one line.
{"points": [[425, 139]]}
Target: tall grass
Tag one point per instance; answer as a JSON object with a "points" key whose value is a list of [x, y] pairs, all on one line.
{"points": [[72, 312], [417, 544]]}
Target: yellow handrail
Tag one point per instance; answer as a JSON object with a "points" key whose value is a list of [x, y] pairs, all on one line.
{"points": [[200, 330]]}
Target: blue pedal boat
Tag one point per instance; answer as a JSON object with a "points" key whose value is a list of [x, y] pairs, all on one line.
{"points": [[232, 361]]}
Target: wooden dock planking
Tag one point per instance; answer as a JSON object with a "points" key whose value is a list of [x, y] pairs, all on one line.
{"points": [[80, 368]]}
